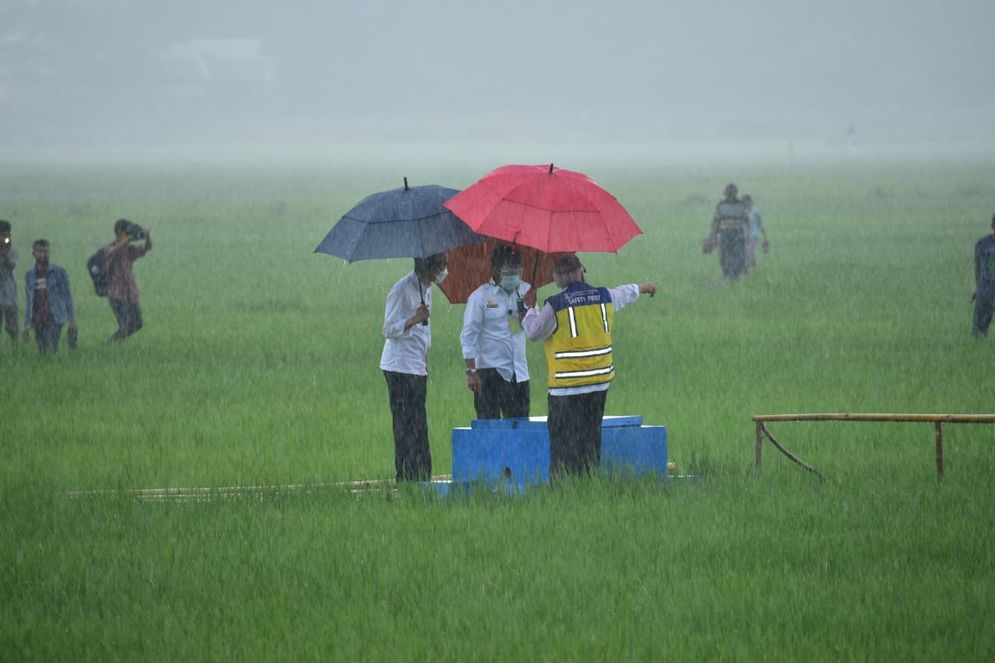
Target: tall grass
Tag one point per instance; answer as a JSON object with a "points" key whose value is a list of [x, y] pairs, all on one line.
{"points": [[258, 364]]}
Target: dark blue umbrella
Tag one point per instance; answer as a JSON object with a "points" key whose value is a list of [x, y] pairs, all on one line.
{"points": [[410, 222]]}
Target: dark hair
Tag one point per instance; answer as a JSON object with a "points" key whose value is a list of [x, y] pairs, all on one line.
{"points": [[423, 265], [4, 226], [503, 256], [121, 226], [568, 263], [39, 242]]}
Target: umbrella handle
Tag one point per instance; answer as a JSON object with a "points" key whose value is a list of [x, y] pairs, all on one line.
{"points": [[535, 274], [422, 295]]}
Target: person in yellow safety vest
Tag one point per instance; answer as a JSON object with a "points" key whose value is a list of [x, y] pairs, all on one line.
{"points": [[576, 325]]}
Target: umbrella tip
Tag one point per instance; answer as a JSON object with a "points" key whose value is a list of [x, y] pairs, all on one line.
{"points": [[551, 168], [405, 183]]}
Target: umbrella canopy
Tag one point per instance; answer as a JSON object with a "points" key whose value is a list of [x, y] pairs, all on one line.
{"points": [[470, 266], [550, 209], [408, 222]]}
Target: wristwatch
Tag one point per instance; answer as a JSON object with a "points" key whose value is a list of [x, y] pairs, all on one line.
{"points": [[471, 371]]}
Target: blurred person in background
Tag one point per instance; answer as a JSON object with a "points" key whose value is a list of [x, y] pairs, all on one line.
{"points": [[48, 301], [728, 231], [493, 342], [576, 325], [122, 290], [404, 363], [984, 280], [755, 230], [8, 282]]}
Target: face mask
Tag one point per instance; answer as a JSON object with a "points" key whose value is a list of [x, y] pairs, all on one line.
{"points": [[510, 283], [441, 276]]}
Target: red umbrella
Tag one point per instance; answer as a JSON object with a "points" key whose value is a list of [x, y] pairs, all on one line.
{"points": [[470, 266], [551, 209]]}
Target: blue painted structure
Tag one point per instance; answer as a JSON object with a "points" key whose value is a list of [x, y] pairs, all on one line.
{"points": [[517, 450]]}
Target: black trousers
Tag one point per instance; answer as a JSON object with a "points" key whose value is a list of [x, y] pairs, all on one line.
{"points": [[48, 337], [498, 398], [8, 315], [732, 252], [575, 432], [412, 456], [129, 318]]}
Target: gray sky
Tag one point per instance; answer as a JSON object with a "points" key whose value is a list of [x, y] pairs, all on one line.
{"points": [[179, 71]]}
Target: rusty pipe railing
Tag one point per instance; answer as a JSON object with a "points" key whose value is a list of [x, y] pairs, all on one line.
{"points": [[936, 419]]}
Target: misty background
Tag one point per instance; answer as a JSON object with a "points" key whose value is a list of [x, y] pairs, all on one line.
{"points": [[220, 72]]}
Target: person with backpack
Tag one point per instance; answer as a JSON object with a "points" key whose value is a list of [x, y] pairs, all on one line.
{"points": [[122, 290]]}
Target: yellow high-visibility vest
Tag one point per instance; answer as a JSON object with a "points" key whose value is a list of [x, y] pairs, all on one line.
{"points": [[579, 352]]}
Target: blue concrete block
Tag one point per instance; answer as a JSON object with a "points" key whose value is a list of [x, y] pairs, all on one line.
{"points": [[493, 450], [636, 449], [517, 450]]}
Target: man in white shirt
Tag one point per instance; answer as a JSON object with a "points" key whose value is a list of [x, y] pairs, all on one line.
{"points": [[493, 342], [576, 325], [404, 362]]}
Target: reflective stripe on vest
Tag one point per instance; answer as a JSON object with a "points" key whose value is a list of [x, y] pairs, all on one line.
{"points": [[573, 320], [583, 353], [585, 374]]}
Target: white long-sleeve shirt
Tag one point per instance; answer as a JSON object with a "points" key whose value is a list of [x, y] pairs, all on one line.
{"points": [[406, 351], [540, 325], [491, 334]]}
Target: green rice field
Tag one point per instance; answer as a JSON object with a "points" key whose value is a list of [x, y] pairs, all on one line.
{"points": [[259, 366]]}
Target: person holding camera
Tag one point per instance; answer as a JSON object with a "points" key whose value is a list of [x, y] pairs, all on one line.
{"points": [[493, 342], [8, 282], [122, 290]]}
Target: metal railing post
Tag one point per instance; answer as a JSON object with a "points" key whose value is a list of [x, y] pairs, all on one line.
{"points": [[936, 419], [939, 449], [760, 444]]}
